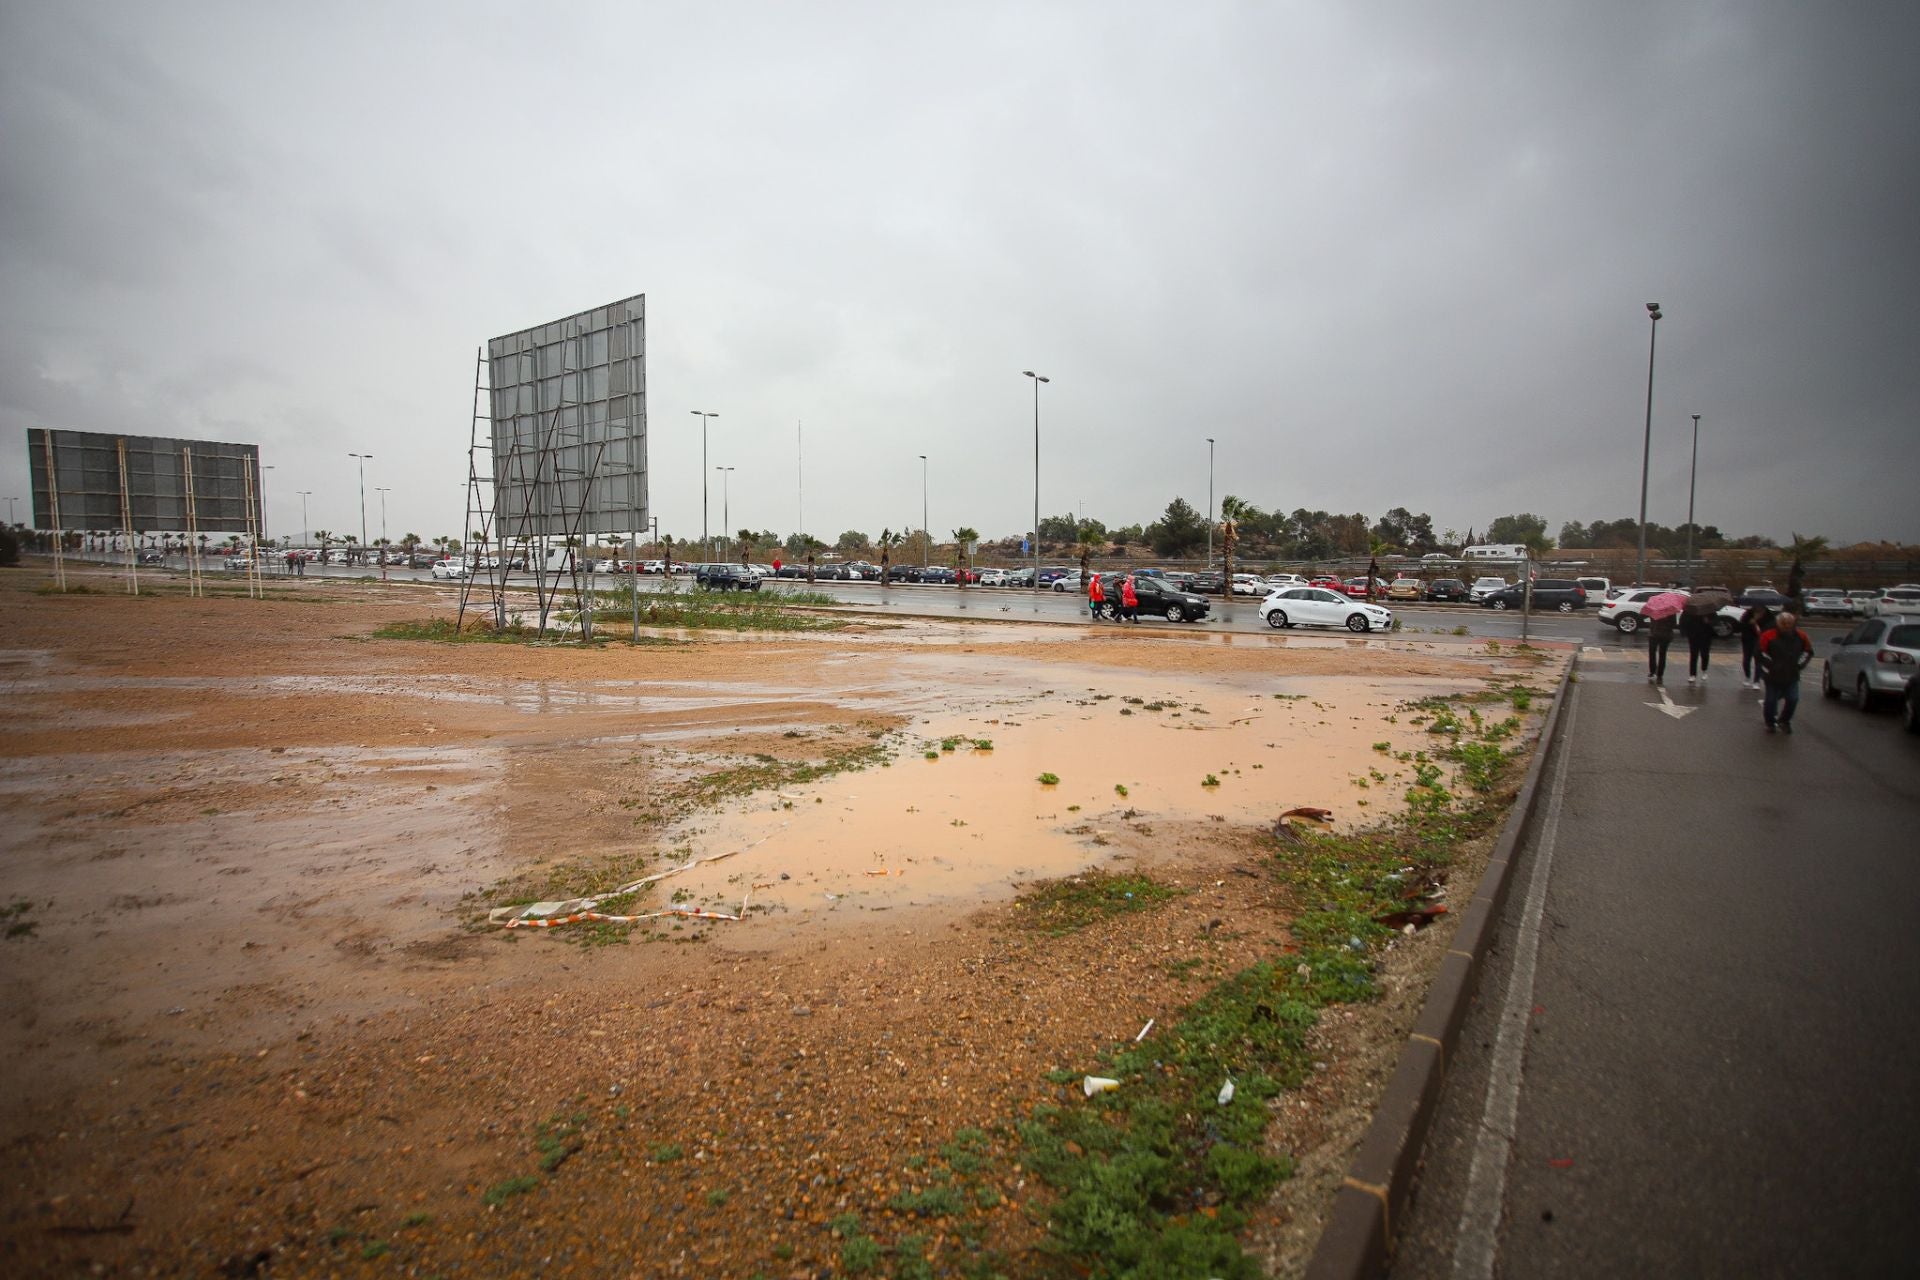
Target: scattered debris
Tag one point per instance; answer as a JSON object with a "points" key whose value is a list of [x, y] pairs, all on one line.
{"points": [[1098, 1084]]}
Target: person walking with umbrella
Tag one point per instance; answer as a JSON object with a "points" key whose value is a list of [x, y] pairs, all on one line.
{"points": [[1696, 621], [1661, 612], [1754, 623]]}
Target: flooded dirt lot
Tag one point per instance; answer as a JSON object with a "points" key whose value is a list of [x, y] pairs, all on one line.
{"points": [[255, 1017]]}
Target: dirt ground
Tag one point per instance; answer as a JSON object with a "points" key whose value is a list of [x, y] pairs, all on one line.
{"points": [[256, 1023]]}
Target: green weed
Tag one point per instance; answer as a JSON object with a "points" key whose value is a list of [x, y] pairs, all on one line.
{"points": [[1062, 906]]}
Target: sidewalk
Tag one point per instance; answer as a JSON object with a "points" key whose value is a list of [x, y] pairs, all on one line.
{"points": [[1707, 981]]}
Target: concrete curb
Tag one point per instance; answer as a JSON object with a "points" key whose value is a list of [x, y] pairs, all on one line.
{"points": [[1358, 1239]]}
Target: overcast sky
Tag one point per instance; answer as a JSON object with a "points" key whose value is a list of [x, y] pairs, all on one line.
{"points": [[1386, 254]]}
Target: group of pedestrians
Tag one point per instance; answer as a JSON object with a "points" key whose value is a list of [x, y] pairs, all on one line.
{"points": [[1773, 653], [1097, 600]]}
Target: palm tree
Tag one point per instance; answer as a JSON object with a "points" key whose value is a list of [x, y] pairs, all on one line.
{"points": [[1803, 549], [408, 542], [1231, 509], [812, 544], [888, 541], [325, 538], [749, 544], [963, 540], [1086, 539]]}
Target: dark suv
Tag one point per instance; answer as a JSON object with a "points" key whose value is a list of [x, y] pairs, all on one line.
{"points": [[1446, 589], [726, 577], [1156, 596], [1563, 594]]}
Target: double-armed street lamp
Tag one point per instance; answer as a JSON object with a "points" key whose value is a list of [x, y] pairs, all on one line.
{"points": [[364, 457], [705, 417]]}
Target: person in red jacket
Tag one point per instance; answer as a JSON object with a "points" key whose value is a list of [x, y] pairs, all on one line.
{"points": [[1096, 597], [1785, 652], [1129, 600]]}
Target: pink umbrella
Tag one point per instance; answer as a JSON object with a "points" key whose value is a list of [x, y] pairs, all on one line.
{"points": [[1664, 605]]}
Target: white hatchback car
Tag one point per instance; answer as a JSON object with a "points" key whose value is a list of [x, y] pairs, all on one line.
{"points": [[444, 569], [1624, 610], [1319, 607]]}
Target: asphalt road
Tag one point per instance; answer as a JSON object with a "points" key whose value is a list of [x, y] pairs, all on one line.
{"points": [[1695, 1050]]}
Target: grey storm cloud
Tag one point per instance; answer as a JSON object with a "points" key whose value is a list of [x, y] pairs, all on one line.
{"points": [[1387, 255]]}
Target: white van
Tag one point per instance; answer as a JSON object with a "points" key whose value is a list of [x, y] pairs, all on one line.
{"points": [[1495, 551]]}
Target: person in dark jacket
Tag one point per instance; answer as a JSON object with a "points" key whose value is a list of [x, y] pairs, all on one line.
{"points": [[1754, 623], [1659, 636], [1697, 625], [1785, 652]]}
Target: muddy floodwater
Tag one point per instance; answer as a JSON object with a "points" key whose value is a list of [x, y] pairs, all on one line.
{"points": [[252, 1005]]}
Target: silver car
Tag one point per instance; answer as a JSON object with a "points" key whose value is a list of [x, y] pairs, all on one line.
{"points": [[1875, 660]]}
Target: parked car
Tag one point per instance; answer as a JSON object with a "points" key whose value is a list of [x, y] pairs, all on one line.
{"points": [[1826, 602], [1436, 557], [1483, 587], [443, 570], [1877, 659], [152, 557], [939, 574], [1626, 610], [1596, 588], [1156, 598], [1360, 588], [239, 564], [1561, 594], [726, 577], [1766, 596], [1069, 581], [1903, 601], [1321, 607], [1451, 589], [993, 577], [1404, 589], [1020, 577], [1207, 584], [1247, 584]]}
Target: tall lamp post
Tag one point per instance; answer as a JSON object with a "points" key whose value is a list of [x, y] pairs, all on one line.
{"points": [[10, 502], [1693, 473], [926, 546], [726, 517], [261, 498], [1037, 380], [306, 530], [363, 498], [705, 543], [383, 530], [1209, 504], [1646, 444]]}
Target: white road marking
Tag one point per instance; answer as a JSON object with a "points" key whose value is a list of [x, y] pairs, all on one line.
{"points": [[1666, 704], [1477, 1241]]}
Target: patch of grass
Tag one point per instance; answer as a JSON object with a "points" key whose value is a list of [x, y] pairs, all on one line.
{"points": [[768, 773], [718, 1196], [933, 1202], [417, 1220], [1049, 779], [983, 744], [1063, 906], [501, 1192], [718, 610], [373, 1249], [1120, 789], [1209, 781], [860, 1254], [667, 1153]]}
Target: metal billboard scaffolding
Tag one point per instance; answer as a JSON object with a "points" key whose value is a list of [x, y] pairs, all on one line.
{"points": [[563, 455], [133, 485]]}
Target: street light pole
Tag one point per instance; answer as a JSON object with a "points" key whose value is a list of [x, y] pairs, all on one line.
{"points": [[306, 531], [1646, 444], [363, 498], [926, 547], [726, 517], [1209, 504], [383, 531], [1693, 473], [706, 542], [1037, 380]]}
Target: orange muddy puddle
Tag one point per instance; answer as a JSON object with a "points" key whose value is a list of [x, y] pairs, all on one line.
{"points": [[970, 823]]}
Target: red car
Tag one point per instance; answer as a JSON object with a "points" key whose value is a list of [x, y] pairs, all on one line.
{"points": [[1329, 582], [1357, 588]]}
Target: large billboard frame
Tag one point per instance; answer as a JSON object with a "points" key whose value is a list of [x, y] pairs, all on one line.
{"points": [[567, 407], [89, 469]]}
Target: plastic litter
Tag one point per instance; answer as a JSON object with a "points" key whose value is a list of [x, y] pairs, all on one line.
{"points": [[1226, 1092], [1098, 1084], [1143, 1031]]}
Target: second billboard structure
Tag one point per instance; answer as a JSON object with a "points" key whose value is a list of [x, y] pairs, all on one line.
{"points": [[570, 424]]}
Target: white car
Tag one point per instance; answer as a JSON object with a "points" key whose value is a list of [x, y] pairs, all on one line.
{"points": [[993, 577], [1904, 601], [1831, 601], [1484, 587], [1319, 607], [1247, 584], [1281, 581], [445, 569], [1625, 611]]}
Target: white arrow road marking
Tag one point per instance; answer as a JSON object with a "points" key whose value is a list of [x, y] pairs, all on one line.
{"points": [[1666, 704]]}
